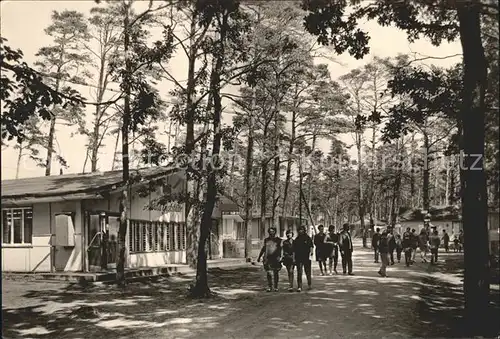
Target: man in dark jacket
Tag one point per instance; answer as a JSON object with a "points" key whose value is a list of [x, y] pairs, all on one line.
{"points": [[302, 248], [375, 243], [346, 249]]}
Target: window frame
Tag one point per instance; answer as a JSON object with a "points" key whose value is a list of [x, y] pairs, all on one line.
{"points": [[11, 240]]}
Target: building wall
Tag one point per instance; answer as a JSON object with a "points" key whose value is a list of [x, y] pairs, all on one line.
{"points": [[39, 257], [448, 225]]}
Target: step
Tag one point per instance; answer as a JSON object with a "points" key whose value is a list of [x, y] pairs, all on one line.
{"points": [[135, 274]]}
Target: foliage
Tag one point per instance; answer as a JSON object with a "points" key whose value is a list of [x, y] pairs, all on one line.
{"points": [[25, 93]]}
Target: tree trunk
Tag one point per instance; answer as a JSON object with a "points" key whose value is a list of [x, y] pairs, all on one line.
{"points": [[475, 205], [116, 150], [248, 182], [276, 176], [289, 162], [19, 157], [412, 172], [426, 173], [397, 185], [122, 231], [451, 191], [50, 146], [263, 195], [99, 111], [447, 183], [201, 288], [191, 216], [52, 129], [361, 207]]}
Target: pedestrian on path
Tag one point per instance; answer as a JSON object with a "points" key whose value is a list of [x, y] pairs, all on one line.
{"points": [[391, 238], [456, 244], [384, 253], [460, 241], [434, 241], [375, 243], [423, 244], [271, 251], [302, 247], [320, 249], [407, 246], [332, 243], [288, 258], [399, 247], [346, 249], [446, 241], [414, 245]]}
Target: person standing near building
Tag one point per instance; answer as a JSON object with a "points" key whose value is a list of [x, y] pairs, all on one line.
{"points": [[460, 241], [289, 258], [332, 244], [375, 243], [302, 248], [320, 249], [384, 253], [446, 241], [346, 249], [271, 251], [434, 241]]}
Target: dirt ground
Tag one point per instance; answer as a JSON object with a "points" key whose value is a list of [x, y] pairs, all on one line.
{"points": [[420, 301]]}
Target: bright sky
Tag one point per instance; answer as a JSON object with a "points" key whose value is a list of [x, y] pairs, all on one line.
{"points": [[385, 42]]}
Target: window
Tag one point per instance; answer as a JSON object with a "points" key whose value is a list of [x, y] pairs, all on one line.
{"points": [[147, 236], [17, 225]]}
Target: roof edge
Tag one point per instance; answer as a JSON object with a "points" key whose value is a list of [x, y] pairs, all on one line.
{"points": [[99, 189]]}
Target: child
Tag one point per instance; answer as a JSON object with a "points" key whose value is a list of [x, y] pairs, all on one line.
{"points": [[271, 251]]}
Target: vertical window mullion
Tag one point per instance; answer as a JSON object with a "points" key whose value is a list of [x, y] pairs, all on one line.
{"points": [[11, 210], [22, 226]]}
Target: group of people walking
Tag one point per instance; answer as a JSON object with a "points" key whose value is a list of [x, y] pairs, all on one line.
{"points": [[386, 243], [297, 253]]}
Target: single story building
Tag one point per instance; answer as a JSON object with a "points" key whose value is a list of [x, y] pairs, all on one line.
{"points": [[58, 223]]}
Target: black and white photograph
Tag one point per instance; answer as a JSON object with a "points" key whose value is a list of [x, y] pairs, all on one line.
{"points": [[250, 169]]}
